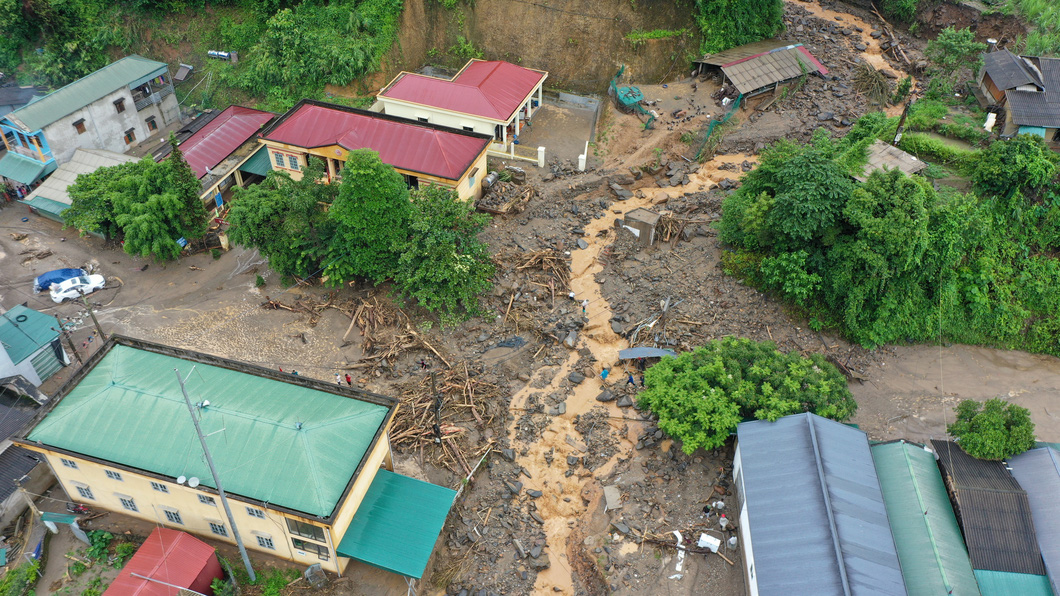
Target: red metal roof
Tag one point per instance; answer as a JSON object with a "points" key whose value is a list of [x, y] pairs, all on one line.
{"points": [[171, 556], [224, 134], [487, 88], [405, 144]]}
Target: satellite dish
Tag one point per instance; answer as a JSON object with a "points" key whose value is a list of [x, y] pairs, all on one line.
{"points": [[193, 482], [181, 479]]}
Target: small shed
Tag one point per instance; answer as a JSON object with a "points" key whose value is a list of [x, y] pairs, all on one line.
{"points": [[29, 346], [642, 222], [755, 67], [168, 562], [1038, 472], [882, 155]]}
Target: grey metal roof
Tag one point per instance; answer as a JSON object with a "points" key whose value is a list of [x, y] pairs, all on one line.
{"points": [[1008, 70], [777, 66], [84, 161], [883, 155], [1050, 69], [1030, 108], [1038, 472], [816, 514], [15, 462], [745, 51]]}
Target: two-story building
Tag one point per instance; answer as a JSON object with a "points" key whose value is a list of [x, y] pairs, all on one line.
{"points": [[306, 465], [115, 108], [487, 96], [422, 152]]}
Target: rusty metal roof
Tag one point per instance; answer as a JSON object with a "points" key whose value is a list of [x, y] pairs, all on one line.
{"points": [[745, 51], [882, 155], [224, 134], [775, 66]]}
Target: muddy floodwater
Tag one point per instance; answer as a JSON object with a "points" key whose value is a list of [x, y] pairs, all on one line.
{"points": [[911, 395]]}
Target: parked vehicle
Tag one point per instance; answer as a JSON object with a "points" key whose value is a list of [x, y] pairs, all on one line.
{"points": [[44, 281], [77, 508], [77, 287]]}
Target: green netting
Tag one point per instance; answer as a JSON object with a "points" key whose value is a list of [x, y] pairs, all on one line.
{"points": [[714, 124]]}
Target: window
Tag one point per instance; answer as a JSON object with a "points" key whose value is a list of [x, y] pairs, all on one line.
{"points": [[469, 128], [151, 124], [130, 136], [85, 492], [278, 159], [162, 488], [114, 475], [173, 516], [306, 530], [254, 512], [79, 126], [264, 542], [320, 550], [471, 178], [422, 119], [69, 463], [128, 503], [292, 162], [219, 529], [207, 500], [119, 105]]}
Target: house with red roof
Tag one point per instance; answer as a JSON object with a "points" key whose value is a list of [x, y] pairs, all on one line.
{"points": [[487, 96], [168, 563], [422, 152]]}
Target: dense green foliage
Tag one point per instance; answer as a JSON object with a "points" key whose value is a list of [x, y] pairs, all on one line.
{"points": [[19, 578], [700, 396], [903, 10], [728, 23], [992, 430], [1044, 37], [891, 259], [148, 205], [371, 227], [954, 49]]}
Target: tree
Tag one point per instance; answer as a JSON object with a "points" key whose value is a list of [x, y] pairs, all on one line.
{"points": [[443, 264], [1022, 165], [92, 197], [954, 49], [371, 214], [701, 396], [992, 430]]}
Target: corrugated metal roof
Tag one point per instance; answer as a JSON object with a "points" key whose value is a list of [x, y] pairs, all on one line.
{"points": [[294, 443], [80, 93], [18, 96], [15, 462], [1038, 472], [23, 331], [745, 51], [488, 88], [20, 168], [993, 511], [258, 163], [816, 513], [1001, 583], [83, 161], [14, 414], [882, 155], [412, 146], [1029, 108], [1008, 70], [397, 524], [224, 134], [930, 546], [775, 66], [170, 556]]}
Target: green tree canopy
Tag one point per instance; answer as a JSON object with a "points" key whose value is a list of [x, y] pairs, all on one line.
{"points": [[1022, 165], [992, 430], [701, 396], [954, 49]]}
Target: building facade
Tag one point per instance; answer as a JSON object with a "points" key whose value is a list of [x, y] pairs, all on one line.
{"points": [[30, 346], [115, 108]]}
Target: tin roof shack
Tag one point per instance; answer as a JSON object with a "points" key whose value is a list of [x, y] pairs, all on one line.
{"points": [[930, 547], [489, 97], [30, 349], [300, 459], [882, 155], [1028, 88], [642, 223], [1038, 472], [763, 65], [168, 562], [995, 518], [812, 515]]}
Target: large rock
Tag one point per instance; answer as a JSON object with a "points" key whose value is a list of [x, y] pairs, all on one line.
{"points": [[575, 377], [605, 395], [540, 563], [572, 338], [624, 402]]}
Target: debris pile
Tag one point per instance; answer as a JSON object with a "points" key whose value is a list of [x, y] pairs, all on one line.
{"points": [[506, 198]]}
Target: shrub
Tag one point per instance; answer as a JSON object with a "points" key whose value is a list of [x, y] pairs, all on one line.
{"points": [[701, 396], [992, 430], [259, 282]]}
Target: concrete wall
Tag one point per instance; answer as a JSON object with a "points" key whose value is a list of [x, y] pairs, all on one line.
{"points": [[39, 480], [440, 117], [376, 460], [105, 127], [152, 504], [24, 368]]}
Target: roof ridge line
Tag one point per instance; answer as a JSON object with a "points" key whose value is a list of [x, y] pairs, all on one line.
{"points": [[828, 505], [930, 531]]}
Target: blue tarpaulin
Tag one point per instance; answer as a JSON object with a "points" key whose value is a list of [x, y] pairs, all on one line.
{"points": [[45, 280]]}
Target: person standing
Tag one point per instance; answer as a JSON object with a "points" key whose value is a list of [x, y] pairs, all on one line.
{"points": [[630, 381], [338, 379], [349, 380]]}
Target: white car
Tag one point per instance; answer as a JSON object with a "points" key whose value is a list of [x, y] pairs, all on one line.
{"points": [[77, 287]]}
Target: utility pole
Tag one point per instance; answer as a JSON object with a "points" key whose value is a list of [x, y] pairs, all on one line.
{"points": [[901, 123], [66, 334], [437, 411], [216, 478], [91, 313]]}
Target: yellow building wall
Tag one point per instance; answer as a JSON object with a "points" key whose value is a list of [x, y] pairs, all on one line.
{"points": [[196, 516]]}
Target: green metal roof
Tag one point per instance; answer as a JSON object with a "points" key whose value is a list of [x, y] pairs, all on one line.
{"points": [[23, 331], [397, 524], [44, 204], [1004, 583], [130, 70], [258, 163], [930, 546], [24, 169], [271, 440]]}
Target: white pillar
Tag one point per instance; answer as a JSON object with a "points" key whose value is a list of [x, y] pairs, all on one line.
{"points": [[504, 135], [518, 122], [540, 157]]}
